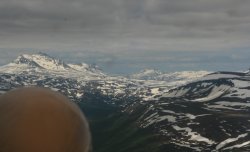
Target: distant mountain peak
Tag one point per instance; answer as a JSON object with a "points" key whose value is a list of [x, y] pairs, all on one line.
{"points": [[21, 59], [182, 77], [42, 63], [150, 70], [41, 60]]}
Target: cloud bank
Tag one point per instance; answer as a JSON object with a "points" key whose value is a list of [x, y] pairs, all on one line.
{"points": [[125, 27]]}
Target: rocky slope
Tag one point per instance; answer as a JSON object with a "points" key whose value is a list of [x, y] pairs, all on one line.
{"points": [[185, 111]]}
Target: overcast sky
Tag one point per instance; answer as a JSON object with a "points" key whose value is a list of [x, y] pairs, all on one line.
{"points": [[127, 35]]}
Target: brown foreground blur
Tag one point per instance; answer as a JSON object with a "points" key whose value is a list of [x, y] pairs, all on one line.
{"points": [[41, 120]]}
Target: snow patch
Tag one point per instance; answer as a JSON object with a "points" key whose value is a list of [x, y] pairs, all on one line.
{"points": [[238, 146], [194, 135], [215, 93], [230, 140]]}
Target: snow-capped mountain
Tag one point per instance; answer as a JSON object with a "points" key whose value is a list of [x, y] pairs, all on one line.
{"points": [[36, 68], [44, 64], [180, 112], [146, 74], [177, 78], [41, 60]]}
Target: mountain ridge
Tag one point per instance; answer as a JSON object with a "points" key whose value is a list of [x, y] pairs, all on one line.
{"points": [[154, 74], [208, 113], [42, 63]]}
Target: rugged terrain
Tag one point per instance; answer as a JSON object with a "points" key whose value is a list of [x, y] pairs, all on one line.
{"points": [[149, 110]]}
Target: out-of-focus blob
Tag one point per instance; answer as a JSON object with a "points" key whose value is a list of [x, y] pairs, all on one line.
{"points": [[40, 120]]}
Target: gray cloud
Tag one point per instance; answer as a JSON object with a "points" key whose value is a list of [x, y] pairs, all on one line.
{"points": [[125, 27]]}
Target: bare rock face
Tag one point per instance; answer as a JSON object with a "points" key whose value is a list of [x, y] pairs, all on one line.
{"points": [[41, 120]]}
